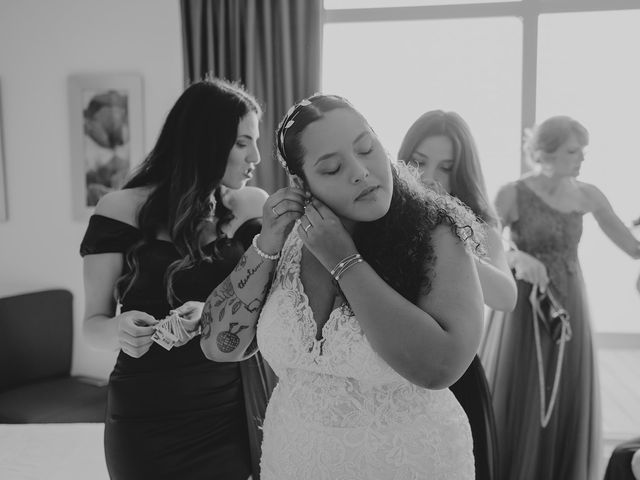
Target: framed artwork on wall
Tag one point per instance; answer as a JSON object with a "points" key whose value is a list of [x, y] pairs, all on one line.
{"points": [[4, 214], [106, 129]]}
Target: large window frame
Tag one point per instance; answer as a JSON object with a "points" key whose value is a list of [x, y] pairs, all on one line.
{"points": [[527, 10]]}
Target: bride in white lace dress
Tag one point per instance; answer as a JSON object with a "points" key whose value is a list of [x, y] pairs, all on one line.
{"points": [[374, 309]]}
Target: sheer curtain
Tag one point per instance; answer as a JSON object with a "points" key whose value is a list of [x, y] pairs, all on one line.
{"points": [[273, 47]]}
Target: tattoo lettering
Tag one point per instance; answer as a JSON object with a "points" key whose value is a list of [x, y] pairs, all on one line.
{"points": [[250, 272], [265, 289]]}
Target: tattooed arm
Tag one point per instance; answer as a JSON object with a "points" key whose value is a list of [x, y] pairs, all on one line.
{"points": [[230, 314]]}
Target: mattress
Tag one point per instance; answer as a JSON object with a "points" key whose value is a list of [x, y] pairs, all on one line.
{"points": [[52, 451]]}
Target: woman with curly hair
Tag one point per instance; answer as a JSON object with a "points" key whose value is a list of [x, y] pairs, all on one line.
{"points": [[174, 232], [373, 309], [440, 146]]}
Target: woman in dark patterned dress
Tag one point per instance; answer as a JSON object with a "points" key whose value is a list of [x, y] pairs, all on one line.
{"points": [[551, 436], [176, 230]]}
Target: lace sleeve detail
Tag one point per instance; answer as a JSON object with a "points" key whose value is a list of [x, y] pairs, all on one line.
{"points": [[465, 225]]}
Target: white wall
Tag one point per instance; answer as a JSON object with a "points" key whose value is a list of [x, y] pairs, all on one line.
{"points": [[41, 43]]}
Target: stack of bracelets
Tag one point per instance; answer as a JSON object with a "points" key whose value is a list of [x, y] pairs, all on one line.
{"points": [[344, 265]]}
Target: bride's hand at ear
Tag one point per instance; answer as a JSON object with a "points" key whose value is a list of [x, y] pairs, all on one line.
{"points": [[324, 235]]}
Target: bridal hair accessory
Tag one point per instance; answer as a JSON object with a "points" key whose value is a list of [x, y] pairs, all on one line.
{"points": [[287, 121], [171, 332], [290, 118]]}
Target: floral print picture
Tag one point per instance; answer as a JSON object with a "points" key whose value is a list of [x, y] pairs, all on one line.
{"points": [[106, 135], [106, 142]]}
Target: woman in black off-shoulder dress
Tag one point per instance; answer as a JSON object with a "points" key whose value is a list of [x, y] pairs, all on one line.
{"points": [[174, 232]]}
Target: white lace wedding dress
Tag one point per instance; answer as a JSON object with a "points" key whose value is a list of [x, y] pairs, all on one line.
{"points": [[339, 412]]}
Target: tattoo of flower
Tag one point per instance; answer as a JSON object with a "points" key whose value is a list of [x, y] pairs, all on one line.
{"points": [[221, 296]]}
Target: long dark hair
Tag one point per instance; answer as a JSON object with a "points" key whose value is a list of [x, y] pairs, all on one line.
{"points": [[397, 246], [184, 168], [467, 181]]}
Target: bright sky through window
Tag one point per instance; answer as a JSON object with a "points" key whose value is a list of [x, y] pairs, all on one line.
{"points": [[393, 71]]}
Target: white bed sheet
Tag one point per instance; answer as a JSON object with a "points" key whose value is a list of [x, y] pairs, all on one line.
{"points": [[52, 451]]}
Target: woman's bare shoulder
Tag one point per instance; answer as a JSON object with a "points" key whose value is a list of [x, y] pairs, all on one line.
{"points": [[122, 205], [596, 200]]}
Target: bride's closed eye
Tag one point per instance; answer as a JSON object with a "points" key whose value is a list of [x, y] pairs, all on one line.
{"points": [[368, 151]]}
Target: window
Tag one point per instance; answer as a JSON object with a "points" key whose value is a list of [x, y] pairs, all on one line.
{"points": [[503, 66], [592, 75], [342, 4], [395, 71]]}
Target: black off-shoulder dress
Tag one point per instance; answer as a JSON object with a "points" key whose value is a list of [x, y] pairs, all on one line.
{"points": [[175, 414]]}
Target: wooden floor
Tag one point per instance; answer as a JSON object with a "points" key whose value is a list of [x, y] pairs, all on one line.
{"points": [[620, 387]]}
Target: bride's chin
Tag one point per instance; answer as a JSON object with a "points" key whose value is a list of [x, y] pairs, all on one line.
{"points": [[371, 214]]}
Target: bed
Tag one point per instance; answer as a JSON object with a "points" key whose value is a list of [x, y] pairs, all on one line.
{"points": [[52, 451]]}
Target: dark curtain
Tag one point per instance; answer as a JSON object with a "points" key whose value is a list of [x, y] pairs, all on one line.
{"points": [[273, 47]]}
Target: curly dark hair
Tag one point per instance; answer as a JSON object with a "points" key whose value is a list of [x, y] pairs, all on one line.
{"points": [[185, 167], [398, 246]]}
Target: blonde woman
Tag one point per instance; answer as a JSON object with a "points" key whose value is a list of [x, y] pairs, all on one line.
{"points": [[551, 432]]}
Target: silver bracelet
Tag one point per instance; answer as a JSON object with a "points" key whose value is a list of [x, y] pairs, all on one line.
{"points": [[344, 265], [264, 255]]}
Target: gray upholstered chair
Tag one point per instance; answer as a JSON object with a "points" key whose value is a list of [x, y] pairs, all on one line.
{"points": [[36, 337]]}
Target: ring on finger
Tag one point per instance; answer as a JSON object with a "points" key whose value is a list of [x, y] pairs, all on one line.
{"points": [[275, 212], [308, 223]]}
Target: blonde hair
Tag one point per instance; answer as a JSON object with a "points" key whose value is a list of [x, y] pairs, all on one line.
{"points": [[549, 135]]}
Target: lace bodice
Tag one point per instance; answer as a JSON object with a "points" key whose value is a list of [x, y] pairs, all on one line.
{"points": [[548, 234], [338, 392]]}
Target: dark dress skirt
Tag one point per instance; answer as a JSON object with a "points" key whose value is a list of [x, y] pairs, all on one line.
{"points": [[472, 392]]}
